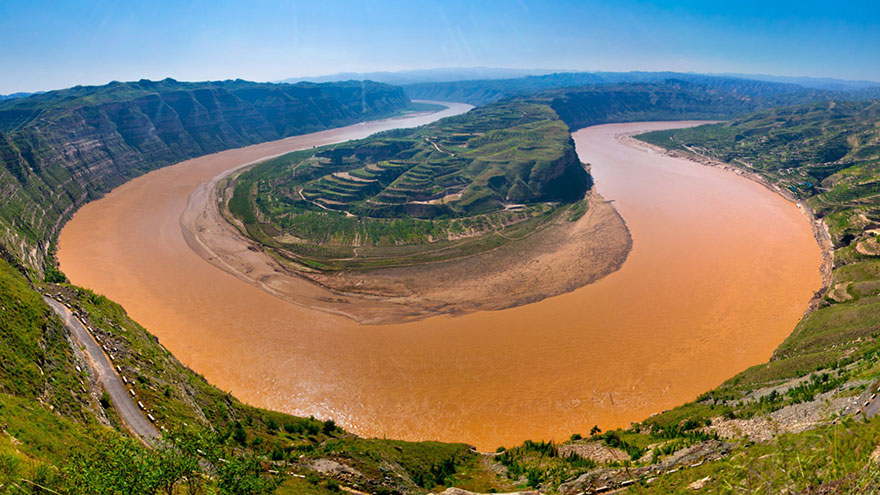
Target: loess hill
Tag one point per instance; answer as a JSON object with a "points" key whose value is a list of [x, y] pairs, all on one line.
{"points": [[61, 149], [379, 201]]}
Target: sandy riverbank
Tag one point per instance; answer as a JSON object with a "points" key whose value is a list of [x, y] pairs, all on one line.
{"points": [[558, 257]]}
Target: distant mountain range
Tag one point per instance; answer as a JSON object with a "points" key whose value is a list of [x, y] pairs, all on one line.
{"points": [[483, 91], [859, 88], [15, 95], [424, 75], [452, 74], [827, 83]]}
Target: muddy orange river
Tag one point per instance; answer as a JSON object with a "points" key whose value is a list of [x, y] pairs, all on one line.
{"points": [[720, 272]]}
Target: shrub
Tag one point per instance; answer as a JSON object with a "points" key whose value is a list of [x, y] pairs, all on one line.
{"points": [[271, 424], [238, 433], [293, 428]]}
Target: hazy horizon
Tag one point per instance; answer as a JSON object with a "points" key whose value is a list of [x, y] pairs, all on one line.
{"points": [[52, 45]]}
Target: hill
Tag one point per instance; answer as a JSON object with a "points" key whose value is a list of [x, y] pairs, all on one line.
{"points": [[63, 148], [12, 96], [755, 94], [398, 78], [671, 99], [456, 179], [826, 83]]}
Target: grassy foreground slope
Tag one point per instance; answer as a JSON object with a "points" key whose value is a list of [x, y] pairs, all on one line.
{"points": [[55, 419]]}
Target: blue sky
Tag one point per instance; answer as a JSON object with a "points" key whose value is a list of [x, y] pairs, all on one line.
{"points": [[55, 44]]}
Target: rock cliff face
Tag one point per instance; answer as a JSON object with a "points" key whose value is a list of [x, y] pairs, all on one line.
{"points": [[63, 148]]}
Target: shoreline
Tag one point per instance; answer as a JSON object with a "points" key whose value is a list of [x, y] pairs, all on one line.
{"points": [[403, 294], [819, 228]]}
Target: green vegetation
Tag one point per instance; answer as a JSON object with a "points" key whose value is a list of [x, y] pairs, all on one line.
{"points": [[451, 188], [121, 130], [831, 459], [60, 431], [36, 360]]}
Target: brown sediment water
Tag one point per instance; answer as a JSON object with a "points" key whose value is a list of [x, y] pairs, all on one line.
{"points": [[720, 271]]}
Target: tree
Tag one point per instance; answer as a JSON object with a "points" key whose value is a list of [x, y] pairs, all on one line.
{"points": [[115, 464], [238, 433], [176, 460], [244, 475]]}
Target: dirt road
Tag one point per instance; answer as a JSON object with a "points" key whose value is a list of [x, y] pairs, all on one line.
{"points": [[102, 366]]}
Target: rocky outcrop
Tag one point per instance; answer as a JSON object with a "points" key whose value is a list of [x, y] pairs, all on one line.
{"points": [[63, 148]]}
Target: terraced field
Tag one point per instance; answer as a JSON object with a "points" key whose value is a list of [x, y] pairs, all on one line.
{"points": [[456, 187]]}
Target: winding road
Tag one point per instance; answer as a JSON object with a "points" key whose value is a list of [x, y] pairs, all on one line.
{"points": [[133, 418], [871, 406]]}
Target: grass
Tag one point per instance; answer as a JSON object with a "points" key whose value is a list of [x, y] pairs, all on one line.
{"points": [[49, 410], [833, 457], [36, 360], [34, 433], [411, 196]]}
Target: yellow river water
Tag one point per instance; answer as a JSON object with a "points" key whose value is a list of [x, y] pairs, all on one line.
{"points": [[720, 272]]}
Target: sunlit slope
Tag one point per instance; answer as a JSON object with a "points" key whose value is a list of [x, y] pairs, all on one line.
{"points": [[63, 148], [491, 169]]}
